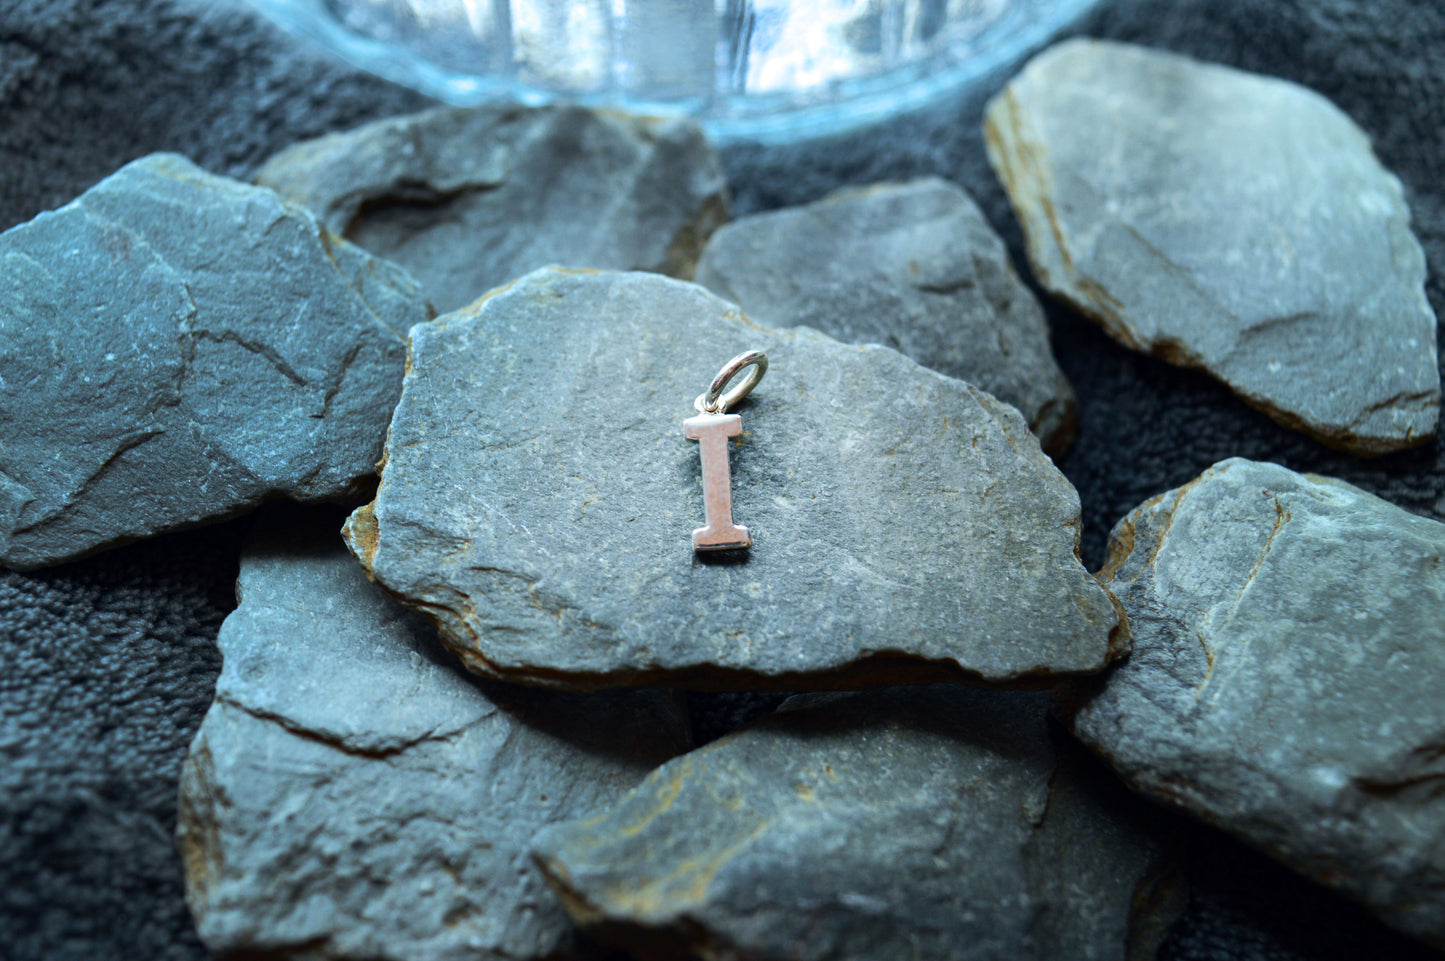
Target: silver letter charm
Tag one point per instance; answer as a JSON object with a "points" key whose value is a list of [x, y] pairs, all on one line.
{"points": [[711, 429]]}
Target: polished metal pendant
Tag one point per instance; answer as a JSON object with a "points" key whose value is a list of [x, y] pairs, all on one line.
{"points": [[712, 428]]}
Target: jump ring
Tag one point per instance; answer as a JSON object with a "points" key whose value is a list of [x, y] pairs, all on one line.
{"points": [[714, 401]]}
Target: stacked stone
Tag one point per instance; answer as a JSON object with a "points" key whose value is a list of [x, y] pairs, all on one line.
{"points": [[469, 743]]}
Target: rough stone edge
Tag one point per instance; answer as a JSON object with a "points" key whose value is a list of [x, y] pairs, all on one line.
{"points": [[683, 251], [363, 486], [878, 670], [1023, 170], [361, 534], [1074, 695], [1160, 896], [1056, 422]]}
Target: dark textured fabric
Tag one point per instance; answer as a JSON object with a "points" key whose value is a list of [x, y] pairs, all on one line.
{"points": [[88, 85], [107, 665]]}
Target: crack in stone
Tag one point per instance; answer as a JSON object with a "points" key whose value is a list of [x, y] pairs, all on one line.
{"points": [[291, 726]]}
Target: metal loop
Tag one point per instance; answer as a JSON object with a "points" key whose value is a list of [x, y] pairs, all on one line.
{"points": [[714, 401]]}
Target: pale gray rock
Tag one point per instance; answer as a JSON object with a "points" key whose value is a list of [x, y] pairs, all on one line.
{"points": [[914, 266], [538, 500], [467, 199], [178, 347], [1287, 680], [1230, 222], [934, 822], [353, 793]]}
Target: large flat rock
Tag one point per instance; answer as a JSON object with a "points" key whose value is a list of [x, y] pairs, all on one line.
{"points": [[914, 266], [178, 347], [467, 199], [538, 499], [353, 793], [1226, 221], [1287, 680], [934, 822]]}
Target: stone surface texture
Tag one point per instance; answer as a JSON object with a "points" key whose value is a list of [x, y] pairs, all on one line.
{"points": [[911, 823], [353, 793], [467, 199], [538, 500], [179, 346], [1287, 680], [913, 266], [1235, 223]]}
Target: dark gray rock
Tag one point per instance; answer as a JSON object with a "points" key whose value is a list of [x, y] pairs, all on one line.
{"points": [[179, 347], [469, 199], [923, 823], [1287, 680], [98, 649], [913, 266], [1234, 223], [353, 793], [538, 499]]}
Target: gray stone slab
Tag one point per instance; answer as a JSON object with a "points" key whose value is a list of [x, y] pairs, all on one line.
{"points": [[1287, 680], [913, 266], [353, 793], [538, 501], [1226, 221], [932, 822], [467, 199], [178, 347]]}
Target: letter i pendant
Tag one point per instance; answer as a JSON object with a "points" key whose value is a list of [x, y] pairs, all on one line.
{"points": [[711, 428]]}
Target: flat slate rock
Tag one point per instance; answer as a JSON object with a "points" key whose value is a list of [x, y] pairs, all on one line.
{"points": [[934, 822], [178, 347], [467, 199], [1287, 680], [1230, 222], [538, 501], [913, 266], [353, 793]]}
